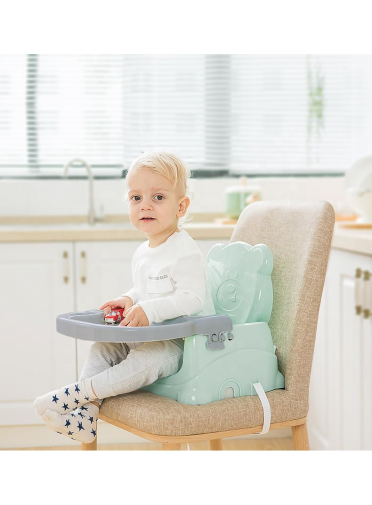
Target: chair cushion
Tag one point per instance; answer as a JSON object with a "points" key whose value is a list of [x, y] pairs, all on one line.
{"points": [[163, 416]]}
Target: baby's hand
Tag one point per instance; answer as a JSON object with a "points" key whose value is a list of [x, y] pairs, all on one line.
{"points": [[135, 316], [122, 302]]}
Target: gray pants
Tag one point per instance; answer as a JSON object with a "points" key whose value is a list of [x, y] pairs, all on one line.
{"points": [[121, 368]]}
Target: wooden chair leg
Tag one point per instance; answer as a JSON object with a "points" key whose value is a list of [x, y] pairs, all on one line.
{"points": [[216, 445], [300, 438], [90, 447], [171, 447]]}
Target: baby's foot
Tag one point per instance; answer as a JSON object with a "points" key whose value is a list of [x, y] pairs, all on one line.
{"points": [[65, 399], [80, 424]]}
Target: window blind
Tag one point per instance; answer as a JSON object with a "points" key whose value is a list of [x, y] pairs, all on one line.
{"points": [[164, 106], [13, 133], [178, 103], [300, 113], [252, 114]]}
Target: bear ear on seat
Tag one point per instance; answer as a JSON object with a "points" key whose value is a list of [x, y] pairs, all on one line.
{"points": [[264, 257], [256, 258], [215, 261], [216, 253]]}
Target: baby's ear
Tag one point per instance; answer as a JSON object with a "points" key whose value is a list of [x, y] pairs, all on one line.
{"points": [[262, 259], [184, 204]]}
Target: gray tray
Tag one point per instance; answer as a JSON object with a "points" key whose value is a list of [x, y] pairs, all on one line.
{"points": [[89, 325]]}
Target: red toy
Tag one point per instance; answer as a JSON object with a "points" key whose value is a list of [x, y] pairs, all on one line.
{"points": [[114, 316]]}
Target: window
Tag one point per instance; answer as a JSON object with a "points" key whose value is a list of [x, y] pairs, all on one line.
{"points": [[251, 114], [300, 114]]}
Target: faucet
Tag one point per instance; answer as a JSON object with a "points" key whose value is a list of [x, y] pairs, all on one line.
{"points": [[91, 216]]}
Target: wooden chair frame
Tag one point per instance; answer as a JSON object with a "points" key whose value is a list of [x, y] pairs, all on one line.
{"points": [[299, 435]]}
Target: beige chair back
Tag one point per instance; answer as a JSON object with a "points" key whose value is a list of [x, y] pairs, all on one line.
{"points": [[299, 235]]}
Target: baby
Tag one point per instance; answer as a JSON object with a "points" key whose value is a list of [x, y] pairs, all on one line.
{"points": [[170, 280]]}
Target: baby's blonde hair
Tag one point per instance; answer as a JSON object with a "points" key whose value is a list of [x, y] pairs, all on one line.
{"points": [[170, 166]]}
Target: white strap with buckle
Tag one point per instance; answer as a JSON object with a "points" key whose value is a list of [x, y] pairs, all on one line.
{"points": [[266, 408]]}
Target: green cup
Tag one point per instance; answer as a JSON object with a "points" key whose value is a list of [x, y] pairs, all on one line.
{"points": [[236, 199]]}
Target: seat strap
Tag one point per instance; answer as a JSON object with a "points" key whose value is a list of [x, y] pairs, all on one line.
{"points": [[266, 408]]}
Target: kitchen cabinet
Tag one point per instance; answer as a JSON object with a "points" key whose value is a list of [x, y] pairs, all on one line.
{"points": [[340, 415], [38, 282]]}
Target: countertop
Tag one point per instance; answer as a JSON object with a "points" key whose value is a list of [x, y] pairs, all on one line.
{"points": [[357, 240], [102, 231], [353, 240]]}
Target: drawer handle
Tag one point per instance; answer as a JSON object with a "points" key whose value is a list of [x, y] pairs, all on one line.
{"points": [[358, 291], [83, 267], [66, 268], [366, 294]]}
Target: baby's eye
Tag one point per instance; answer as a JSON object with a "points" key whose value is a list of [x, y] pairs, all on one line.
{"points": [[160, 197], [134, 197]]}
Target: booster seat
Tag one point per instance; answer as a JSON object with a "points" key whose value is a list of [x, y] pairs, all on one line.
{"points": [[215, 366]]}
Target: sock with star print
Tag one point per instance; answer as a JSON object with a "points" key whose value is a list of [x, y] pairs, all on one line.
{"points": [[80, 424], [65, 399]]}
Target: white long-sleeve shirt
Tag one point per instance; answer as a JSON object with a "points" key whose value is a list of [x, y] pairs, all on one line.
{"points": [[171, 280]]}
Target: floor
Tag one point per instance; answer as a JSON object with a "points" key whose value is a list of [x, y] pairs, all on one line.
{"points": [[267, 444]]}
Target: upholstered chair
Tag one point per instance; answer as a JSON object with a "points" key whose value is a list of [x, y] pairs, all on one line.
{"points": [[299, 235]]}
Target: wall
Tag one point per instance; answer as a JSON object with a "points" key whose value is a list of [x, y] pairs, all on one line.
{"points": [[57, 197]]}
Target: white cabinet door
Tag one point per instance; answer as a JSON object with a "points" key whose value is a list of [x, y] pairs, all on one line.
{"points": [[103, 272], [366, 342], [341, 382], [36, 286], [347, 332]]}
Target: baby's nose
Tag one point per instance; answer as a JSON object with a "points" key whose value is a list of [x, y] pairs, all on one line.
{"points": [[146, 204]]}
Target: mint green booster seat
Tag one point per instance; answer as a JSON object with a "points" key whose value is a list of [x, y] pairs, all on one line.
{"points": [[218, 366]]}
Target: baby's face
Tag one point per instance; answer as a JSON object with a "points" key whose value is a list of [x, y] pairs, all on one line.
{"points": [[150, 195]]}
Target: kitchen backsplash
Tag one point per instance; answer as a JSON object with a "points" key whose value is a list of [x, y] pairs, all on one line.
{"points": [[71, 197]]}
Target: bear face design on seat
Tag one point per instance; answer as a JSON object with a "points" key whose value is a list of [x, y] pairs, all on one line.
{"points": [[240, 281]]}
